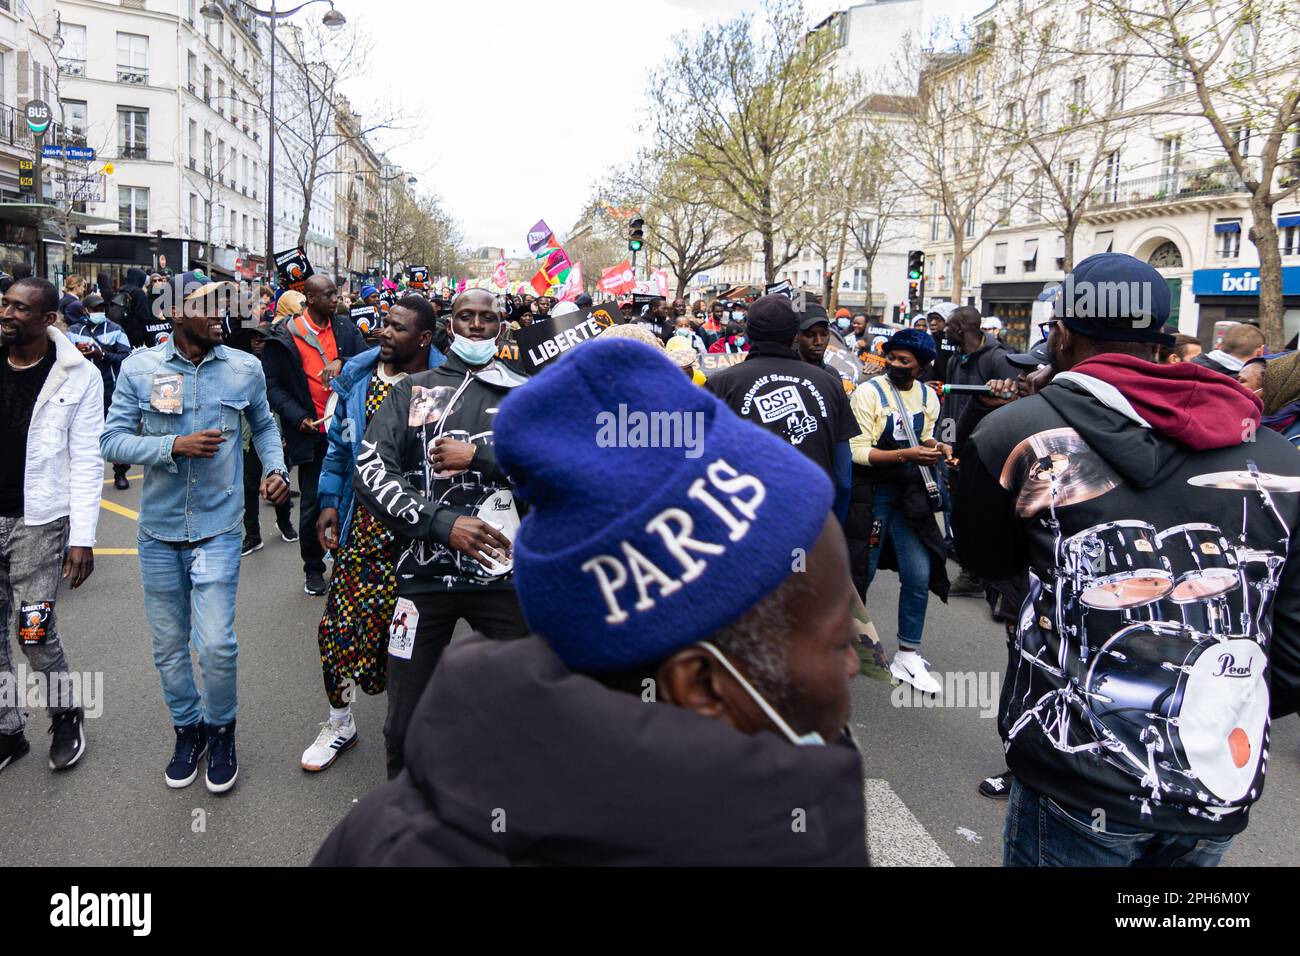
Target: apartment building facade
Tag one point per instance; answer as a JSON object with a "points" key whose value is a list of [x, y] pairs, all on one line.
{"points": [[1142, 181]]}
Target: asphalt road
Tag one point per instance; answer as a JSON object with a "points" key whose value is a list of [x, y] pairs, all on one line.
{"points": [[922, 763]]}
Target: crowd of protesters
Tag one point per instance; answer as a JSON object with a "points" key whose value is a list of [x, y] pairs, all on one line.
{"points": [[672, 635]]}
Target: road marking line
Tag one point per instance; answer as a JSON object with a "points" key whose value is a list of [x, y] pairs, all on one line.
{"points": [[895, 837], [119, 510], [117, 551], [128, 478]]}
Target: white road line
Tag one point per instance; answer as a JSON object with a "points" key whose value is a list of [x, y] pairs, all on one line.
{"points": [[894, 836]]}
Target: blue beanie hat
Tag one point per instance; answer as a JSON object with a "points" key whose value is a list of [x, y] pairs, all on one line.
{"points": [[628, 552], [367, 291], [920, 344]]}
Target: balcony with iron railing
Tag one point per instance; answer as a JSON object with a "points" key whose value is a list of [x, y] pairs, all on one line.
{"points": [[1176, 185], [132, 76], [133, 151], [72, 66]]}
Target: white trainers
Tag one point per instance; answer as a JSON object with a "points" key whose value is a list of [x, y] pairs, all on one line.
{"points": [[909, 667], [335, 737]]}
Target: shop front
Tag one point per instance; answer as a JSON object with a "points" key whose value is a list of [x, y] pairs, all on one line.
{"points": [[1232, 295], [1013, 303]]}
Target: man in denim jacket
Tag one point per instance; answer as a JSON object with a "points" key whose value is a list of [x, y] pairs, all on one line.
{"points": [[177, 411]]}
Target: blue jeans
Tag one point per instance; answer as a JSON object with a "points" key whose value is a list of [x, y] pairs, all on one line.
{"points": [[913, 566], [189, 598], [1041, 832]]}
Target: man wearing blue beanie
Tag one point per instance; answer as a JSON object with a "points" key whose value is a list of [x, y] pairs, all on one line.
{"points": [[682, 697]]}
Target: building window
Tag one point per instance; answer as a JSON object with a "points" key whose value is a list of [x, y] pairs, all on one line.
{"points": [[965, 273], [1228, 234], [1030, 255], [73, 59], [207, 85], [221, 97], [192, 71], [1118, 86], [1241, 139], [194, 215], [1171, 157], [1166, 256], [1078, 98], [934, 222], [860, 279], [133, 134], [977, 87], [74, 121], [132, 209], [1110, 187], [194, 145], [1084, 29], [1000, 259], [1291, 240], [970, 225], [1044, 108], [132, 59], [1071, 180]]}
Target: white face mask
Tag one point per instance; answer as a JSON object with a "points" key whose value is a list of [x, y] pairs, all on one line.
{"points": [[812, 738], [474, 351]]}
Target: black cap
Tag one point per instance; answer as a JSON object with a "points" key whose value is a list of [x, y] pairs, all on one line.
{"points": [[772, 318], [813, 313], [1035, 357]]}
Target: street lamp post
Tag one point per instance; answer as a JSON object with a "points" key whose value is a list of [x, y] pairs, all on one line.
{"points": [[332, 20]]}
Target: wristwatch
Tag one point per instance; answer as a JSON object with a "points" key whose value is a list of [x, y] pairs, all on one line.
{"points": [[283, 474]]}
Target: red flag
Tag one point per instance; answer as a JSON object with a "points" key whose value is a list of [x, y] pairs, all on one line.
{"points": [[540, 282], [617, 280]]}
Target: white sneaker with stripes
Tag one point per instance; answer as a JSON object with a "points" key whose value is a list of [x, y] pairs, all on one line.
{"points": [[335, 737]]}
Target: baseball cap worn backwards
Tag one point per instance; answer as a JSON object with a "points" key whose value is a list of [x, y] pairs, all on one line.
{"points": [[656, 516], [1117, 297]]}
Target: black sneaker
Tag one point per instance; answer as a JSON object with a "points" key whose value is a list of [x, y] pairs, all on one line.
{"points": [[191, 745], [250, 545], [288, 532], [120, 482], [12, 746], [69, 738], [997, 787], [314, 584], [223, 765]]}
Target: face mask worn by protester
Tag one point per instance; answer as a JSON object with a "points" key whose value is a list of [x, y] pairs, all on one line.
{"points": [[474, 351]]}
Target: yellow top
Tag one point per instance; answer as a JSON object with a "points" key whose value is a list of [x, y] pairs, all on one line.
{"points": [[872, 414]]}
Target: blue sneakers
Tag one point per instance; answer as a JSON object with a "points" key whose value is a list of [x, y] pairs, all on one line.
{"points": [[223, 765], [191, 743]]}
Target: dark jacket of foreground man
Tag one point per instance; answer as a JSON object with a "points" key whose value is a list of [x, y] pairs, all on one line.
{"points": [[512, 759]]}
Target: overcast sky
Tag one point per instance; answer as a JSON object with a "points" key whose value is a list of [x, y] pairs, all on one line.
{"points": [[526, 102]]}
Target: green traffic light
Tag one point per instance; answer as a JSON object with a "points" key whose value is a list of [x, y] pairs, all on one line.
{"points": [[635, 245], [914, 274]]}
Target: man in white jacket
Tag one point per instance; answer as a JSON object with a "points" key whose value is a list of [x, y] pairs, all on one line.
{"points": [[51, 476]]}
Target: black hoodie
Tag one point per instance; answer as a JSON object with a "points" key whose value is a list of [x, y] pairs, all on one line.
{"points": [[512, 759], [1159, 607]]}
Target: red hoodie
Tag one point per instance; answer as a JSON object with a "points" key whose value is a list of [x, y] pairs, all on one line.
{"points": [[1187, 403]]}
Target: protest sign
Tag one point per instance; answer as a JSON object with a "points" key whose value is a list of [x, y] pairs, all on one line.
{"points": [[780, 288], [617, 280], [418, 277], [711, 363], [293, 268], [366, 318], [543, 342]]}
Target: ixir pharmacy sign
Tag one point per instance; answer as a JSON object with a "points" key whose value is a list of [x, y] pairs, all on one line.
{"points": [[1245, 282]]}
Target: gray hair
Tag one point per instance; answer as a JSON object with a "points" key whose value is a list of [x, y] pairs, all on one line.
{"points": [[759, 638]]}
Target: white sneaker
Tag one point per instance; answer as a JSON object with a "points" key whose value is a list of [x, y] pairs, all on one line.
{"points": [[335, 737], [908, 666]]}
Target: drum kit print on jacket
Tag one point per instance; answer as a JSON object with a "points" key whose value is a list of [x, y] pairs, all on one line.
{"points": [[1145, 647]]}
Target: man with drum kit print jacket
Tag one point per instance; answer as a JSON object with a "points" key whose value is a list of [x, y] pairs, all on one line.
{"points": [[1162, 622], [428, 471]]}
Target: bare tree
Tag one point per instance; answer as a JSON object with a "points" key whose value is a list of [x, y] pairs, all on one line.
{"points": [[1239, 58], [953, 156], [319, 65], [744, 107], [685, 227]]}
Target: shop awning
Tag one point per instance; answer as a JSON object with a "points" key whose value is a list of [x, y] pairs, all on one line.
{"points": [[1031, 250], [1102, 242], [1000, 255], [1288, 222], [1232, 225]]}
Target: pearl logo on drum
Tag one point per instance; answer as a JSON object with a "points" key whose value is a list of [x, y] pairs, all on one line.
{"points": [[1228, 667]]}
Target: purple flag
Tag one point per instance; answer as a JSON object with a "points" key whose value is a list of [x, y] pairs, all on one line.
{"points": [[539, 237]]}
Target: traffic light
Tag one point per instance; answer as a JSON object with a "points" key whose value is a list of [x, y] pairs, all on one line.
{"points": [[913, 292], [916, 265], [636, 235]]}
